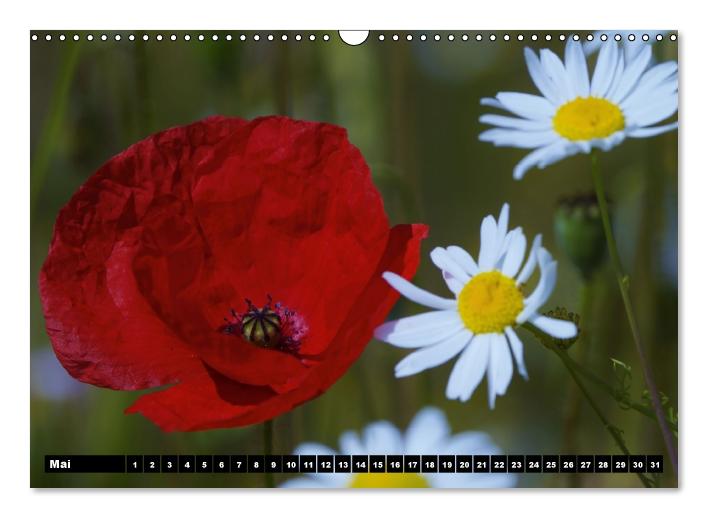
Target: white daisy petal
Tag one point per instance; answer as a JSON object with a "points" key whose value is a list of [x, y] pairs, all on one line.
{"points": [[530, 265], [464, 259], [500, 368], [646, 94], [526, 105], [613, 140], [544, 288], [420, 330], [632, 73], [513, 123], [469, 369], [503, 225], [472, 480], [584, 146], [491, 102], [416, 294], [514, 254], [647, 107], [541, 79], [517, 349], [502, 248], [552, 326], [604, 69], [453, 284], [382, 437], [544, 257], [656, 112], [557, 149], [577, 67], [350, 444], [303, 483], [530, 160], [427, 433], [557, 152], [632, 49], [657, 75], [517, 138], [592, 46], [649, 91], [661, 71], [619, 73], [487, 243], [653, 131], [466, 443], [443, 260], [554, 67], [429, 357], [502, 238]]}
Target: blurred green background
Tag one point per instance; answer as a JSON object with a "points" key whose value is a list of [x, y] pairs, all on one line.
{"points": [[412, 107]]}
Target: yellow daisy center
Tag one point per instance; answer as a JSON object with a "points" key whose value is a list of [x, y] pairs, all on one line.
{"points": [[388, 480], [588, 118], [489, 302]]}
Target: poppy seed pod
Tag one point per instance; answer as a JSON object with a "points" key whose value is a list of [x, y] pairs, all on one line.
{"points": [[579, 232]]}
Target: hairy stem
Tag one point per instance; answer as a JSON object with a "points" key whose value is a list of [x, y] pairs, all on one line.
{"points": [[625, 402], [623, 282], [549, 343], [614, 431], [572, 414]]}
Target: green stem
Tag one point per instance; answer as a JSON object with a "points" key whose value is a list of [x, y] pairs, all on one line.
{"points": [[572, 416], [549, 343], [623, 282], [628, 403], [268, 450], [616, 434], [624, 402]]}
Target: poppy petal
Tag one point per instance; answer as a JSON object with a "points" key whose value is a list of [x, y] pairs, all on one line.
{"points": [[209, 399]]}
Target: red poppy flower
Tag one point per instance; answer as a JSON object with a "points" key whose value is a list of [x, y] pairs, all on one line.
{"points": [[237, 261]]}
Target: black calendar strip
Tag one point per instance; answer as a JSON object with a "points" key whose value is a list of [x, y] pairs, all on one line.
{"points": [[354, 464]]}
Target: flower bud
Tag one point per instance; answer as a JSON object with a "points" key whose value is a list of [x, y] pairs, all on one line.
{"points": [[579, 232]]}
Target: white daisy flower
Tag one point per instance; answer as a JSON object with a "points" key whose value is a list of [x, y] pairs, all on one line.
{"points": [[428, 434], [576, 113], [478, 324]]}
